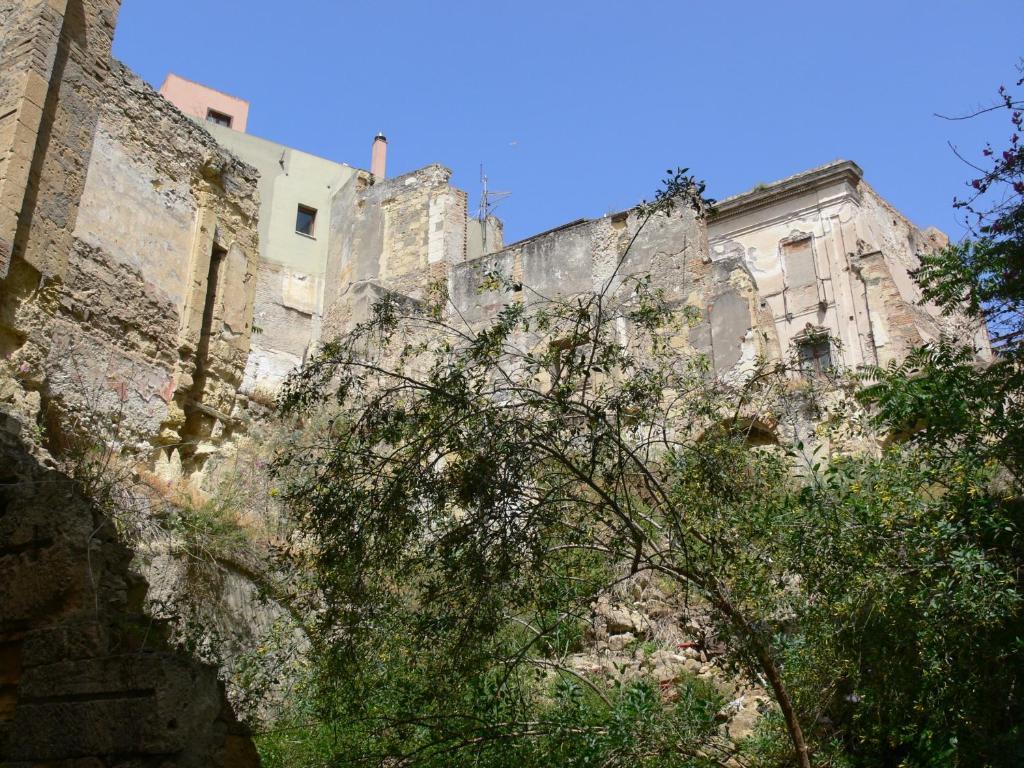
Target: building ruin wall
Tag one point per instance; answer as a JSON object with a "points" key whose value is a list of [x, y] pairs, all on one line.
{"points": [[117, 214], [828, 255], [109, 285]]}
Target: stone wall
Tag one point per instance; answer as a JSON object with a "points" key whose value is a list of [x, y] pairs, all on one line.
{"points": [[405, 233], [53, 58], [127, 273], [287, 316], [127, 306], [85, 676], [592, 256], [400, 234]]}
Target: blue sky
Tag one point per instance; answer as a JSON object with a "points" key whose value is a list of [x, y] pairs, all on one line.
{"points": [[577, 107]]}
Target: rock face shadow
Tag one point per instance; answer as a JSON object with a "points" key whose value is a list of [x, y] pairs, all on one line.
{"points": [[84, 673]]}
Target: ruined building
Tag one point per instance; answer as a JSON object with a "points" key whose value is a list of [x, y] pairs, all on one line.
{"points": [[816, 265], [165, 269], [161, 269]]}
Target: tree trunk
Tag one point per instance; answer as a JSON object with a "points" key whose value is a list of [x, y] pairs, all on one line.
{"points": [[771, 670], [796, 733]]}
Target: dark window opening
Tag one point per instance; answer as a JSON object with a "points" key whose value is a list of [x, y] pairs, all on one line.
{"points": [[814, 354], [193, 410], [305, 221], [213, 116]]}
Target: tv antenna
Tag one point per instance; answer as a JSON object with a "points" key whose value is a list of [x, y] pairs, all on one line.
{"points": [[488, 199]]}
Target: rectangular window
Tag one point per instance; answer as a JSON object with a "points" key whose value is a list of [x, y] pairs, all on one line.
{"points": [[213, 116], [815, 355], [305, 221]]}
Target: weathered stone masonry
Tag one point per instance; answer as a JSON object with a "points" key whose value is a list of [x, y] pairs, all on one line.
{"points": [[127, 255], [813, 266], [130, 280], [830, 257], [131, 283], [84, 673]]}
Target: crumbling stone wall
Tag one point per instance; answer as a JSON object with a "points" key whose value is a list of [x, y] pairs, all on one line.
{"points": [[400, 234], [591, 255], [85, 675], [53, 57], [887, 253], [287, 315], [127, 306], [828, 256]]}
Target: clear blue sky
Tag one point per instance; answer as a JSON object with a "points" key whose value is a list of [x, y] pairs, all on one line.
{"points": [[578, 107]]}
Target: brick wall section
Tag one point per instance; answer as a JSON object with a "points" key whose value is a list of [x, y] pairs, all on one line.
{"points": [[85, 676]]}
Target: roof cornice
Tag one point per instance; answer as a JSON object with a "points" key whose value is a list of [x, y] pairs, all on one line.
{"points": [[792, 186]]}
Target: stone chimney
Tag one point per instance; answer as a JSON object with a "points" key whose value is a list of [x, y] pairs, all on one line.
{"points": [[379, 157]]}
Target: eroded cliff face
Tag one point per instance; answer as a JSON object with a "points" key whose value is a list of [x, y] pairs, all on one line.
{"points": [[85, 674]]}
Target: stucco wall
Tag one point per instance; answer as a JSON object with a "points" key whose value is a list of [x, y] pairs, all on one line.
{"points": [[290, 283], [287, 320], [195, 100], [483, 237], [826, 252], [288, 178]]}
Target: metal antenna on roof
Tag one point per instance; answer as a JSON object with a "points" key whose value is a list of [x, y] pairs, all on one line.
{"points": [[488, 202], [488, 199]]}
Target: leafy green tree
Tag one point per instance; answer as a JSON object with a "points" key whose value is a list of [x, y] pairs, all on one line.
{"points": [[480, 487], [477, 488], [929, 538], [907, 624]]}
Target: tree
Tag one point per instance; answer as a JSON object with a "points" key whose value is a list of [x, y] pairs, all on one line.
{"points": [[940, 396], [477, 488], [962, 416], [476, 480]]}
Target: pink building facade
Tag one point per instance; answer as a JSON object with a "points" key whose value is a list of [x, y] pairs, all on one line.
{"points": [[205, 103]]}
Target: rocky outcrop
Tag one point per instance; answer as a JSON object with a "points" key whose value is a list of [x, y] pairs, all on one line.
{"points": [[86, 678]]}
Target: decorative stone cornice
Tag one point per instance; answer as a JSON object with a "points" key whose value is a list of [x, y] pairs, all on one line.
{"points": [[790, 187]]}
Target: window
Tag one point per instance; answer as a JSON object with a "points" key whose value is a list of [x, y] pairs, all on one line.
{"points": [[213, 116], [814, 353], [305, 221]]}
